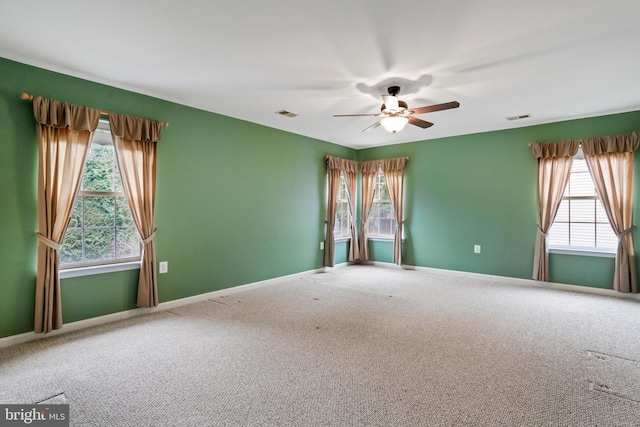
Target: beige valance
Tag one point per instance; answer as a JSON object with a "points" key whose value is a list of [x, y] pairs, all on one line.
{"points": [[623, 143], [394, 164], [545, 150], [135, 128], [59, 114], [346, 165], [370, 166]]}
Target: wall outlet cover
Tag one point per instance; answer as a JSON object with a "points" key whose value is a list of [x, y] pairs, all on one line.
{"points": [[163, 267]]}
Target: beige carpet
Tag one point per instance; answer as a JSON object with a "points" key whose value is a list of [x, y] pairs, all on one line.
{"points": [[356, 346]]}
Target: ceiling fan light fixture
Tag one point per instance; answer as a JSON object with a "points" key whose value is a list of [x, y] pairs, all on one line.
{"points": [[394, 124]]}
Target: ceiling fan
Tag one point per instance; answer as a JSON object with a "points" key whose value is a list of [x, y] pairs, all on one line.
{"points": [[396, 114]]}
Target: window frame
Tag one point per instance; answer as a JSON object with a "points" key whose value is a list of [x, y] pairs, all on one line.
{"points": [[76, 269], [342, 205], [377, 201], [595, 251]]}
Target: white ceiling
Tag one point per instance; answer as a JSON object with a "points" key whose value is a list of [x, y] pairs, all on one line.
{"points": [[553, 59]]}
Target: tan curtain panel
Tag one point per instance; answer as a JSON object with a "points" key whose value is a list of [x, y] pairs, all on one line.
{"points": [[610, 160], [135, 140], [334, 187], [351, 180], [393, 170], [64, 134], [369, 170], [336, 166], [554, 168]]}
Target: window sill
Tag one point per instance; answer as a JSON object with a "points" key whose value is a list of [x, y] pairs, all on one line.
{"points": [[582, 252], [383, 238], [99, 269], [342, 239]]}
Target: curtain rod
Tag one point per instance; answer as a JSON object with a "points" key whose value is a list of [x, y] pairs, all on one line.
{"points": [[29, 97], [326, 157]]}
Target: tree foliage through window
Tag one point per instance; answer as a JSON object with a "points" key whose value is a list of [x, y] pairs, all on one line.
{"points": [[101, 229]]}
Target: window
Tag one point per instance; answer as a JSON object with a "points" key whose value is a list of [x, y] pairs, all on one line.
{"points": [[381, 221], [343, 219], [581, 223], [101, 229]]}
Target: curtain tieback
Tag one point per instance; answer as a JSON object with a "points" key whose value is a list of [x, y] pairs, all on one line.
{"points": [[541, 232], [625, 232], [48, 242], [151, 238]]}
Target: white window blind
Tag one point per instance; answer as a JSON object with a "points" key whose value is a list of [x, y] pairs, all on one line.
{"points": [[381, 221], [581, 222], [341, 227]]}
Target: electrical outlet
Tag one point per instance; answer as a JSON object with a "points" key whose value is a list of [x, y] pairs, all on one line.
{"points": [[476, 249], [321, 246], [163, 267]]}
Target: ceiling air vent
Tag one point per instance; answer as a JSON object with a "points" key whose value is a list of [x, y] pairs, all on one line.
{"points": [[520, 117], [286, 113]]}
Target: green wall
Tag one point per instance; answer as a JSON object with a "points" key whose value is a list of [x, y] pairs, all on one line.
{"points": [[236, 202], [479, 189], [239, 202]]}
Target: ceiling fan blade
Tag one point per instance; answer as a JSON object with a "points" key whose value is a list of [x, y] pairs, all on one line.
{"points": [[373, 126], [357, 115], [390, 102], [419, 122], [437, 107]]}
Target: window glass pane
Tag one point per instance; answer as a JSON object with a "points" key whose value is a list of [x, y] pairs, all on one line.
{"points": [[117, 179], [99, 169], [71, 251], [99, 244], [127, 242], [341, 227], [563, 212], [385, 226], [580, 184], [373, 225], [76, 214], [582, 235], [583, 210], [579, 164], [601, 215], [342, 219], [123, 214], [99, 211], [342, 193], [559, 234], [605, 237]]}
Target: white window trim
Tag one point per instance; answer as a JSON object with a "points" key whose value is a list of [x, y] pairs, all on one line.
{"points": [[582, 251], [103, 266], [99, 269], [383, 238]]}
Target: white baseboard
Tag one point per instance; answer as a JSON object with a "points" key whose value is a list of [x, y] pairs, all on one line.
{"points": [[82, 324], [529, 282], [114, 317]]}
